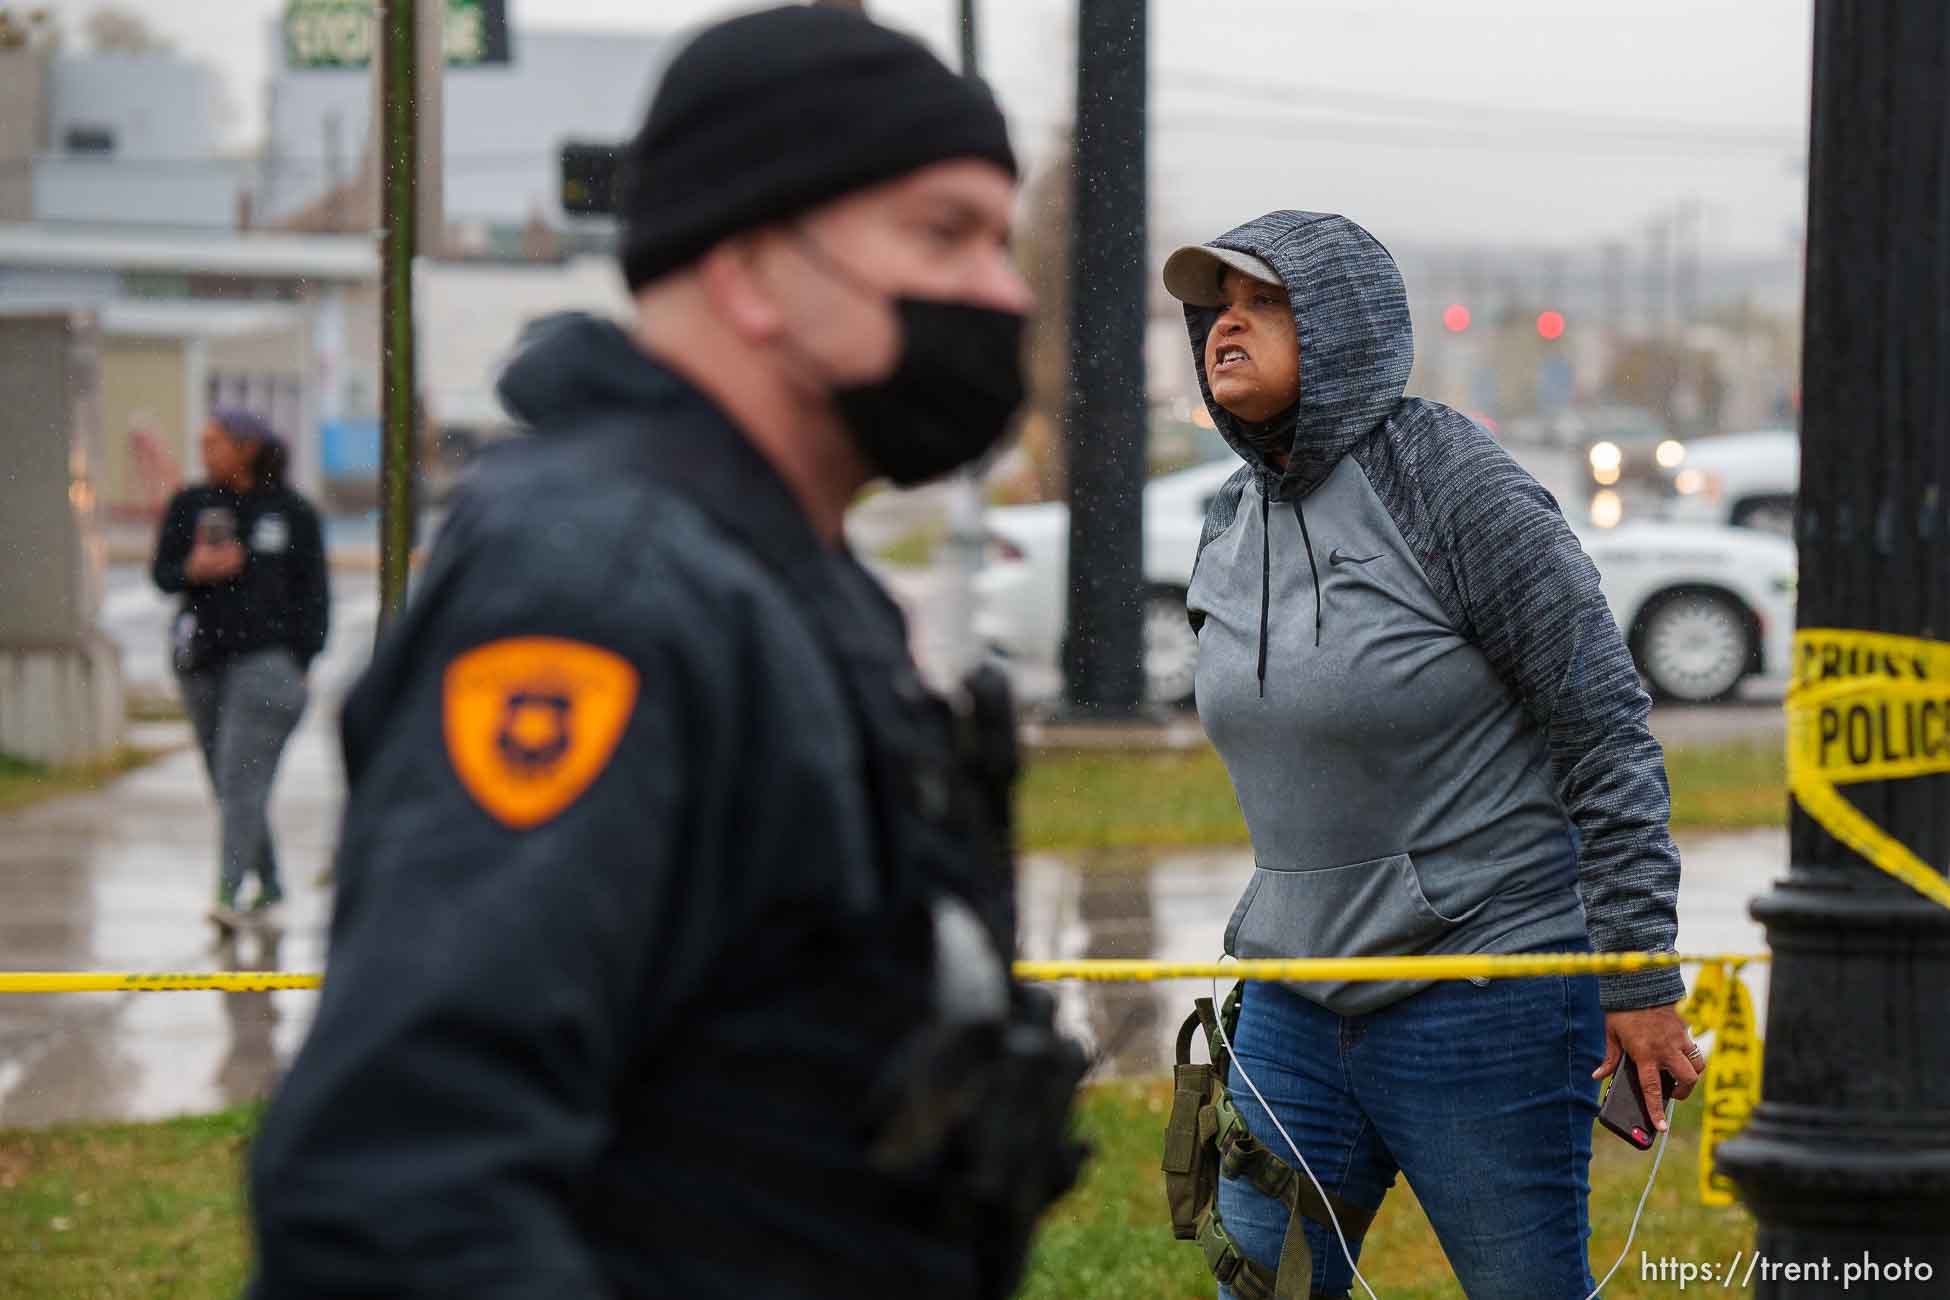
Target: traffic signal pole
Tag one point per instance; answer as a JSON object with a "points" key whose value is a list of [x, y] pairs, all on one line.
{"points": [[1846, 1159], [1103, 656]]}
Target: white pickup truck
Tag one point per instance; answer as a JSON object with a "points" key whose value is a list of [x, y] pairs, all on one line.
{"points": [[1747, 480]]}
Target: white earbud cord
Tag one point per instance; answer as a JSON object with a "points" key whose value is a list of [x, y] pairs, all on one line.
{"points": [[1220, 1021], [1658, 1155]]}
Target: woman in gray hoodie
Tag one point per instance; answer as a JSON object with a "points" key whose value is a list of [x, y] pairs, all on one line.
{"points": [[1438, 740]]}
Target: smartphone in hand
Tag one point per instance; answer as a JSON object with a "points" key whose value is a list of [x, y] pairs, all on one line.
{"points": [[1624, 1111], [216, 525]]}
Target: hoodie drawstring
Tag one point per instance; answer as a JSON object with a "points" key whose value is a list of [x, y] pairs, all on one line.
{"points": [[1265, 584], [1266, 575], [1300, 512]]}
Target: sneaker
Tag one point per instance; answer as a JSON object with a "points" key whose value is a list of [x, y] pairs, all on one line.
{"points": [[226, 918], [267, 915]]}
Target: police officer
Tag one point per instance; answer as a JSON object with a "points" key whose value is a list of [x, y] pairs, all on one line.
{"points": [[669, 953]]}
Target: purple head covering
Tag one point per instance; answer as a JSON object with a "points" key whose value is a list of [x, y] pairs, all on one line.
{"points": [[247, 426]]}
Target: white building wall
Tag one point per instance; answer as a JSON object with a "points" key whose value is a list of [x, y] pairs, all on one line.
{"points": [[503, 128], [158, 106], [158, 112], [112, 190], [470, 314], [35, 286]]}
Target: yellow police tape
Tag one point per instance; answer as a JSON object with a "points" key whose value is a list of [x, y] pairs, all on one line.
{"points": [[1455, 967], [108, 981], [1464, 966], [1719, 1003], [1721, 1006], [1867, 706]]}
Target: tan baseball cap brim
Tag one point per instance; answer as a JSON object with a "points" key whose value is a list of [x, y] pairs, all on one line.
{"points": [[1192, 274]]}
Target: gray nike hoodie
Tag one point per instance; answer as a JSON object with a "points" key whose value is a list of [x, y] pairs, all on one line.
{"points": [[1434, 728]]}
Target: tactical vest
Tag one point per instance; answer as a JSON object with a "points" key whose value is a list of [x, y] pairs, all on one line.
{"points": [[1205, 1137], [983, 1103]]}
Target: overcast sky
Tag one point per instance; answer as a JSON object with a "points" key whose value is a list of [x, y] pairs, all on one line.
{"points": [[1554, 122]]}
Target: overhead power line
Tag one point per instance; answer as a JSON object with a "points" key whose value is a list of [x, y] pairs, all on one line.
{"points": [[1451, 112]]}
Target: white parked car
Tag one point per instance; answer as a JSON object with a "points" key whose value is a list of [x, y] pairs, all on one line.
{"points": [[1705, 606], [1744, 479]]}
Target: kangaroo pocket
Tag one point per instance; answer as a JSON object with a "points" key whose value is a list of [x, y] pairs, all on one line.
{"points": [[1363, 909]]}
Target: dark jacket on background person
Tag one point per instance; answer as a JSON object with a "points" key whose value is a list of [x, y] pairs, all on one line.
{"points": [[630, 1049], [281, 598], [1435, 730]]}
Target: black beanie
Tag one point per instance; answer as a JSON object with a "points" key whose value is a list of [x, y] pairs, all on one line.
{"points": [[767, 115]]}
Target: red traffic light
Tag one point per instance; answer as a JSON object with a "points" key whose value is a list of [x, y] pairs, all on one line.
{"points": [[1550, 325], [1455, 317]]}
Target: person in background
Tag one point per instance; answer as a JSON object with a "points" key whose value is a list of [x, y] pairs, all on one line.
{"points": [[245, 552]]}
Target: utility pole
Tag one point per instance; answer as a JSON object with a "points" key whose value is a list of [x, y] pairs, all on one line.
{"points": [[1658, 268], [1687, 219], [1103, 653], [1847, 1156], [1658, 310], [399, 159], [1611, 285]]}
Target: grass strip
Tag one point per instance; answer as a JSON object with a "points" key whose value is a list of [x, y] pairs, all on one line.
{"points": [[1110, 1236], [24, 782], [128, 1211], [1083, 799], [125, 1211]]}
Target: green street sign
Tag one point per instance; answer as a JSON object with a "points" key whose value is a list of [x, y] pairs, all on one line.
{"points": [[339, 33]]}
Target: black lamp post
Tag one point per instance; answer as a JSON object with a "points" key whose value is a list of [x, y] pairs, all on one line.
{"points": [[1103, 658], [1847, 1156]]}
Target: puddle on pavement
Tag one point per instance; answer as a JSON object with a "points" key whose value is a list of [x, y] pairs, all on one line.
{"points": [[90, 886], [90, 1056], [1175, 907], [1172, 907]]}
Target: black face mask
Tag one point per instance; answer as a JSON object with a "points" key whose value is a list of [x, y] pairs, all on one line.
{"points": [[952, 394]]}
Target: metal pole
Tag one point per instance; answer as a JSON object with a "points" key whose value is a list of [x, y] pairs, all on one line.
{"points": [[965, 534], [1103, 655], [971, 60], [1847, 1156], [399, 156]]}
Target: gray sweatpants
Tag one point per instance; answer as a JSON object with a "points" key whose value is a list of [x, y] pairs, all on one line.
{"points": [[244, 710]]}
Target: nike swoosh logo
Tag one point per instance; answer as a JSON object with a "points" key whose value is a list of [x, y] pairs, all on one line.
{"points": [[1337, 557]]}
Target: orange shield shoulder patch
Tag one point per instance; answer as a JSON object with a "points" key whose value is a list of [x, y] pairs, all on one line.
{"points": [[531, 721]]}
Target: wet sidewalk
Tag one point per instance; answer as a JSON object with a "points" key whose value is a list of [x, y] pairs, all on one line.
{"points": [[119, 879]]}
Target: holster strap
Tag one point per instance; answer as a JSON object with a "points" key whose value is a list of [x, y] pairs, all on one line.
{"points": [[1243, 1156]]}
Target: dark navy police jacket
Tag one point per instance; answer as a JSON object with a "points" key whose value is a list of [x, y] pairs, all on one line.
{"points": [[646, 806]]}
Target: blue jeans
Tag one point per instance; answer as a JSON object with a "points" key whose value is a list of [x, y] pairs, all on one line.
{"points": [[1481, 1095]]}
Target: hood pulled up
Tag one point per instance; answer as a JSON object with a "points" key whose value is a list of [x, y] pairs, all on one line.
{"points": [[1357, 345]]}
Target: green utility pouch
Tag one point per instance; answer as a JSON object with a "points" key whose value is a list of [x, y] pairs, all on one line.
{"points": [[1205, 1137]]}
